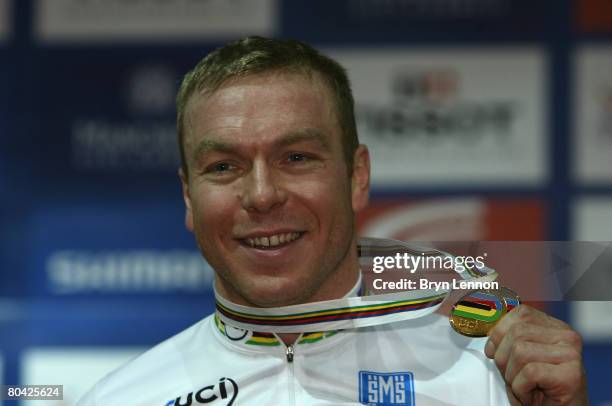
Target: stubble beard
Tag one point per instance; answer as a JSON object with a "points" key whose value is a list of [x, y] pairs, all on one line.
{"points": [[227, 284]]}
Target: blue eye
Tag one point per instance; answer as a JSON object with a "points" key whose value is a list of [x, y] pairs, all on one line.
{"points": [[296, 157], [222, 167]]}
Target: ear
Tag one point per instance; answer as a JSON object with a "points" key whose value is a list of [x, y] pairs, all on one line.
{"points": [[360, 180], [187, 200]]}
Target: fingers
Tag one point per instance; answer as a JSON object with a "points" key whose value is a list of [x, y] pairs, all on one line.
{"points": [[522, 341], [513, 399], [523, 352], [523, 322], [556, 381], [539, 358]]}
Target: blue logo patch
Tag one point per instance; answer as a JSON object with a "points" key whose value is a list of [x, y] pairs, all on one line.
{"points": [[386, 388]]}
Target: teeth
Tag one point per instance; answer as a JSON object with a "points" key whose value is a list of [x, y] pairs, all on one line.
{"points": [[272, 241]]}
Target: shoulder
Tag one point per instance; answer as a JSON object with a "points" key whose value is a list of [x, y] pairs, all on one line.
{"points": [[153, 373]]}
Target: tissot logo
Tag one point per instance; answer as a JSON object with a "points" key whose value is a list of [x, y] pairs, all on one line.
{"points": [[386, 388], [436, 85], [222, 393], [430, 104]]}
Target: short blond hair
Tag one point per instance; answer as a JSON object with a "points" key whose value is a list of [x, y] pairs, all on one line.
{"points": [[254, 55]]}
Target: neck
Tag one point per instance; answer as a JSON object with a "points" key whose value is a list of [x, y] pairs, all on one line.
{"points": [[291, 338]]}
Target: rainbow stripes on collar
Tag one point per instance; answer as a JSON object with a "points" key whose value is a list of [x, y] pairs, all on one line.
{"points": [[339, 314], [257, 338]]}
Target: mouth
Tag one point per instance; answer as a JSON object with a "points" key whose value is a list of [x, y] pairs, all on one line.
{"points": [[273, 241]]}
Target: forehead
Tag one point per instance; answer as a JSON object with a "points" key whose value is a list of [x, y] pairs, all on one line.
{"points": [[262, 104]]}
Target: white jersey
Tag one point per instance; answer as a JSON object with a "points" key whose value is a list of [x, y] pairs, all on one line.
{"points": [[414, 362]]}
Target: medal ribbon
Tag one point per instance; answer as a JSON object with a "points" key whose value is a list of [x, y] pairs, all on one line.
{"points": [[348, 312]]}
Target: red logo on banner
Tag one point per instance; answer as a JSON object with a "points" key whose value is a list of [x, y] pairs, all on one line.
{"points": [[594, 16]]}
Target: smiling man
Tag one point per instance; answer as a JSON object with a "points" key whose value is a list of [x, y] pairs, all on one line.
{"points": [[273, 175], [269, 194]]}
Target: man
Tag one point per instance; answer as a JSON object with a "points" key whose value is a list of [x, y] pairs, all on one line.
{"points": [[272, 176]]}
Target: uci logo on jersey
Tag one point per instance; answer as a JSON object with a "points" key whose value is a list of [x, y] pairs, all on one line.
{"points": [[386, 388], [226, 389]]}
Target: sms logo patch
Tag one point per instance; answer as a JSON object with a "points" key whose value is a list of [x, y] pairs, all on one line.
{"points": [[386, 388]]}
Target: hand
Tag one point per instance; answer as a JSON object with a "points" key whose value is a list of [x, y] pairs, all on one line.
{"points": [[540, 358]]}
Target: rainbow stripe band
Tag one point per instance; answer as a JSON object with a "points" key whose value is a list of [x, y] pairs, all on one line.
{"points": [[346, 313]]}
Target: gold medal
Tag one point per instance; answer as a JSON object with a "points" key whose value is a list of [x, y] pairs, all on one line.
{"points": [[476, 313]]}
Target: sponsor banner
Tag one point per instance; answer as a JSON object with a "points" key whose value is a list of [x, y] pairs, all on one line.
{"points": [[454, 219], [399, 20], [10, 310], [77, 21], [592, 221], [108, 114], [76, 369], [137, 248], [451, 116], [5, 20], [4, 155], [111, 118], [8, 95], [593, 114], [591, 319], [11, 133], [593, 16], [126, 271]]}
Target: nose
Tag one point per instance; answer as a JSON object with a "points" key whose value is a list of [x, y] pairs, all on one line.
{"points": [[262, 190]]}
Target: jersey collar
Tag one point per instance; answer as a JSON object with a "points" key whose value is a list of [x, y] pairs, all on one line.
{"points": [[254, 339]]}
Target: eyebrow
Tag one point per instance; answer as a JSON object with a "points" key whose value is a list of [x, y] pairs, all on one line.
{"points": [[207, 145], [307, 135]]}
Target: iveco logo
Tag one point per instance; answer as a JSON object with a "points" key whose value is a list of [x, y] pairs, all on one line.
{"points": [[226, 389]]}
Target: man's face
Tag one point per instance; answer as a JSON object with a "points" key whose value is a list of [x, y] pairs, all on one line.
{"points": [[268, 195]]}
